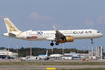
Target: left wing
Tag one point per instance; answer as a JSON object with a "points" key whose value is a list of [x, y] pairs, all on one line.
{"points": [[60, 38], [59, 35]]}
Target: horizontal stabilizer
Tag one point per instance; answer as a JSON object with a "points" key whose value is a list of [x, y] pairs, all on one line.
{"points": [[11, 34]]}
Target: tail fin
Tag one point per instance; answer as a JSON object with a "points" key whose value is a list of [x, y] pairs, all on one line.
{"points": [[11, 28], [47, 52]]}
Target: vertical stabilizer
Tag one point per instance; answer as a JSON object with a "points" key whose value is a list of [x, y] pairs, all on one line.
{"points": [[10, 26], [47, 53]]}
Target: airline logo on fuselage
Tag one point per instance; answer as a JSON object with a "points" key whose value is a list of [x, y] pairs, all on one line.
{"points": [[35, 33], [39, 32], [82, 32]]}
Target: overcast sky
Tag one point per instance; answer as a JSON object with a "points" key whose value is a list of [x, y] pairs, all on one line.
{"points": [[43, 14]]}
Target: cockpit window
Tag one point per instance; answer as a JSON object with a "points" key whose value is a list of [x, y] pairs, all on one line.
{"points": [[98, 31]]}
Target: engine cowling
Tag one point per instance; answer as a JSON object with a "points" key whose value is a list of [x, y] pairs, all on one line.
{"points": [[66, 39], [69, 39]]}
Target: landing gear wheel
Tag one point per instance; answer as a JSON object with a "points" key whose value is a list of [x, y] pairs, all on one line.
{"points": [[57, 43], [51, 44]]}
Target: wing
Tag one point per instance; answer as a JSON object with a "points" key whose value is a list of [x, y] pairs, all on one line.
{"points": [[58, 35]]}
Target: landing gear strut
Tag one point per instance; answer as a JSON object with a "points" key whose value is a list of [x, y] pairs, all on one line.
{"points": [[91, 41]]}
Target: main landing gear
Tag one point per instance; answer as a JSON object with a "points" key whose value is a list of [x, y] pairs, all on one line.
{"points": [[53, 43], [92, 41]]}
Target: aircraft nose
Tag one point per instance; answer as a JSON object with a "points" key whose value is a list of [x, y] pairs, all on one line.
{"points": [[101, 35]]}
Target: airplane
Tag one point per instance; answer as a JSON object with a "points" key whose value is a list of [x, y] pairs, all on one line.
{"points": [[59, 36], [43, 56]]}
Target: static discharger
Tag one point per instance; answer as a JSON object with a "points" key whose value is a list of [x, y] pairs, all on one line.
{"points": [[50, 68]]}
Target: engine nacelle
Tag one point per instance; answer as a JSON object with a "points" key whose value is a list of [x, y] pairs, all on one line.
{"points": [[67, 39]]}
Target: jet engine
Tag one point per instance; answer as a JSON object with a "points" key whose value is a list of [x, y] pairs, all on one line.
{"points": [[66, 39]]}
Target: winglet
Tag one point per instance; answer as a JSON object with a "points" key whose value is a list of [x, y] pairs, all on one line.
{"points": [[54, 28]]}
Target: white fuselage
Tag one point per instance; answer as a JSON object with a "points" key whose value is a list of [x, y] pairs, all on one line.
{"points": [[59, 36], [50, 35]]}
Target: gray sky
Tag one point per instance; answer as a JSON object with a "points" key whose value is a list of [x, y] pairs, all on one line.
{"points": [[43, 14]]}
